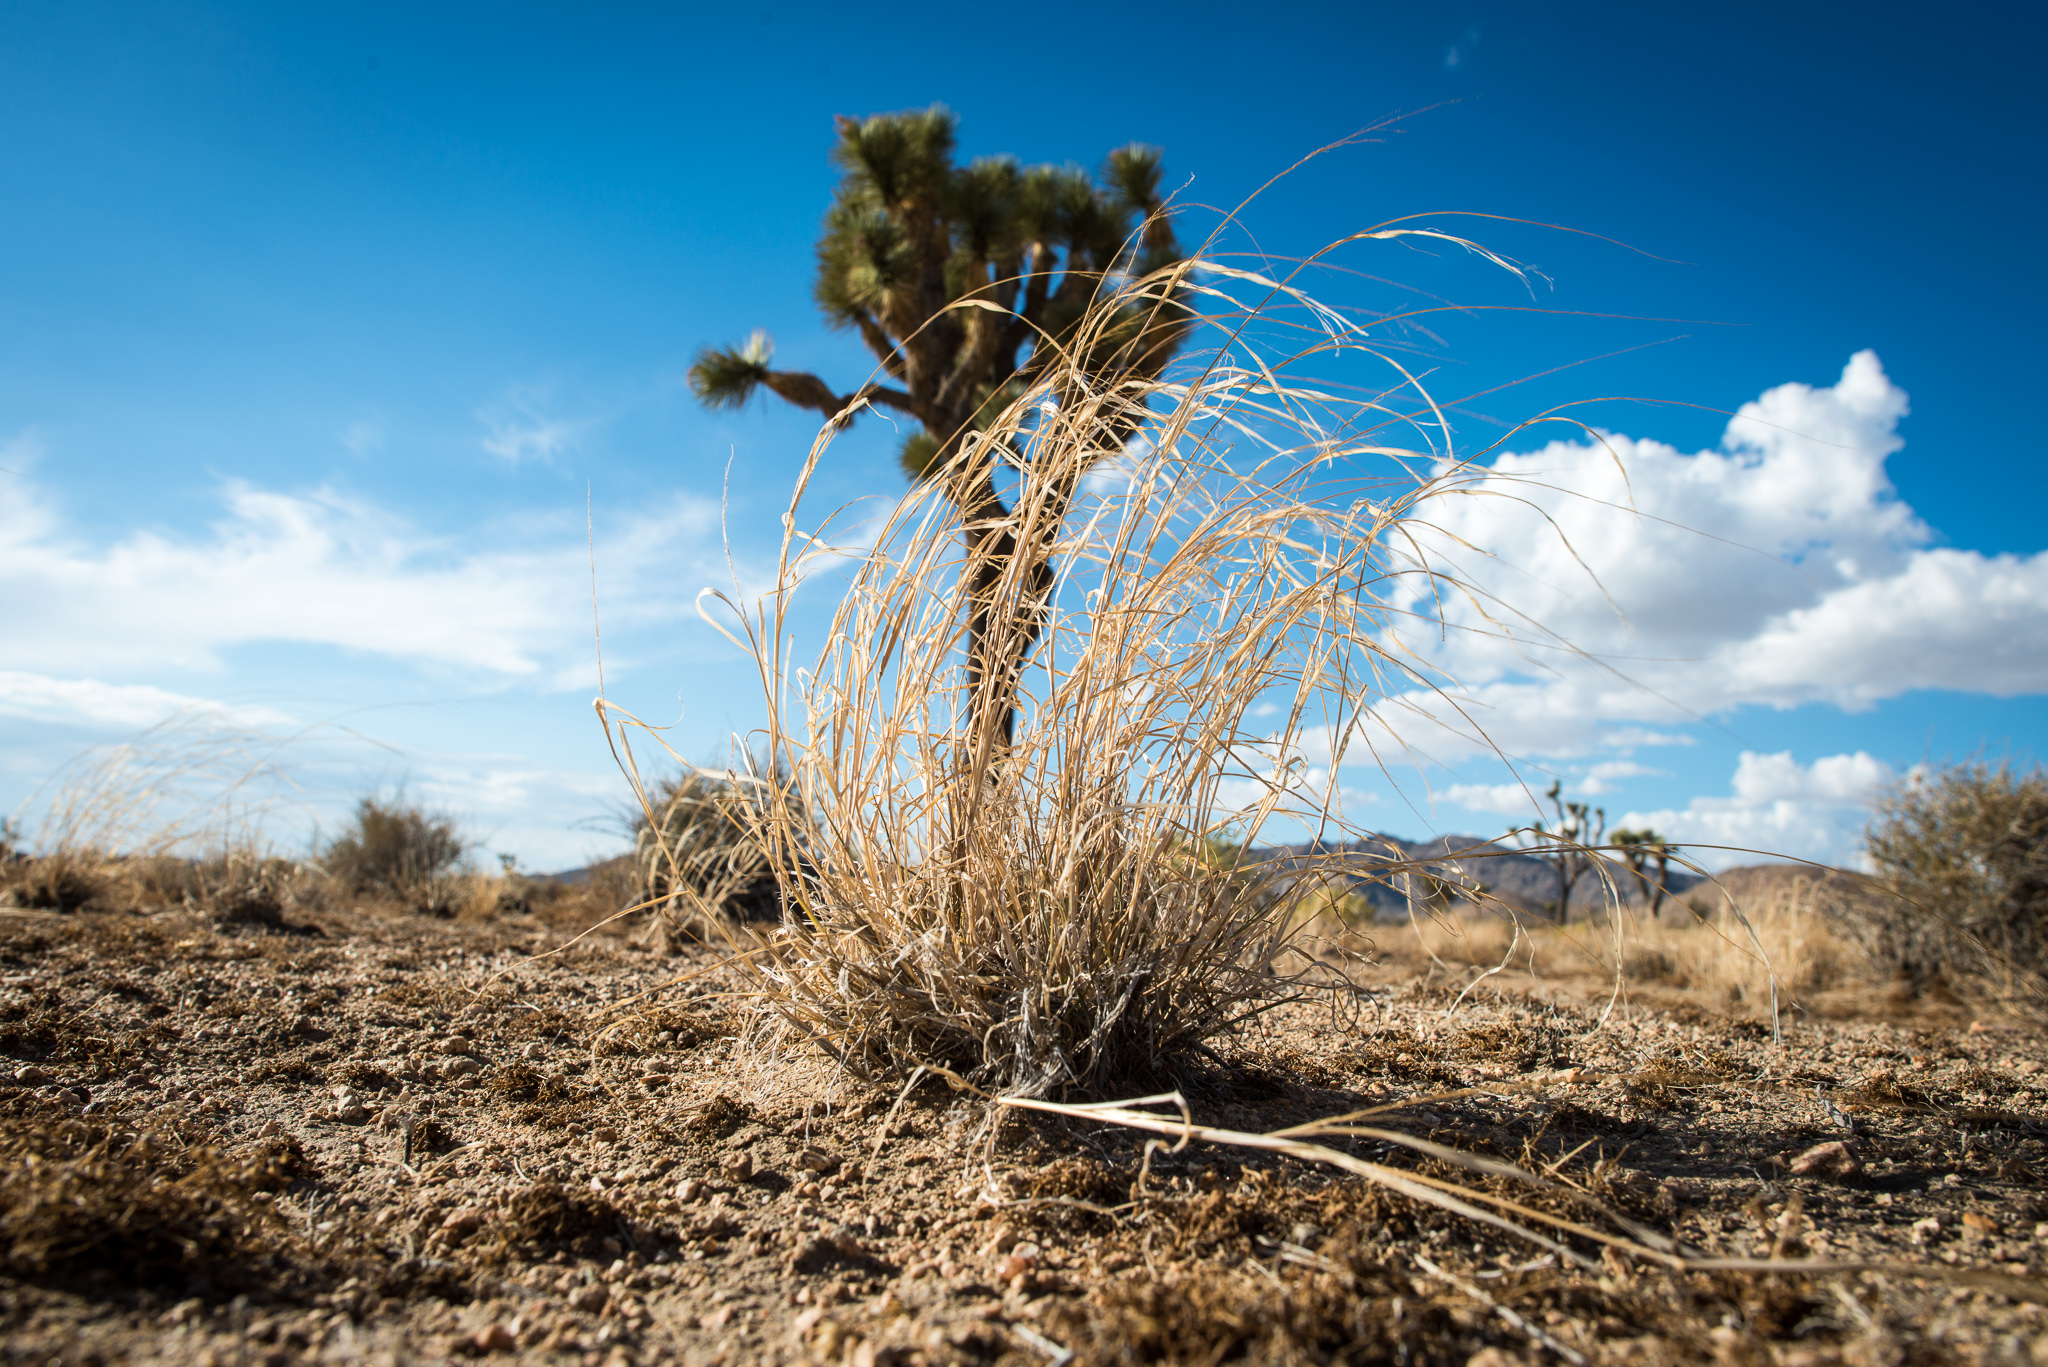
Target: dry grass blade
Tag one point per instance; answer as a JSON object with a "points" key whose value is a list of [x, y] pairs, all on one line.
{"points": [[1639, 1242], [1190, 624], [192, 780], [1513, 1320]]}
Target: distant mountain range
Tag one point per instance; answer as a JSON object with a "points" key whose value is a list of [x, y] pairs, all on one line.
{"points": [[1461, 861], [1458, 861]]}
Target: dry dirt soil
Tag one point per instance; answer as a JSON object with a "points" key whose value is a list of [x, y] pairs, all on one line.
{"points": [[392, 1139]]}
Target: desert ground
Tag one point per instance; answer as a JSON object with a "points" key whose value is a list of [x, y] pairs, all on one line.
{"points": [[353, 1135]]}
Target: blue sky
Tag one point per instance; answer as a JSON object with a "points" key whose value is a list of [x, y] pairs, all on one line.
{"points": [[320, 322]]}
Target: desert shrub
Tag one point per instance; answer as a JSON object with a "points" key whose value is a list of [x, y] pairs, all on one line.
{"points": [[61, 880], [242, 885], [120, 823], [1965, 851], [698, 859], [395, 850], [999, 866]]}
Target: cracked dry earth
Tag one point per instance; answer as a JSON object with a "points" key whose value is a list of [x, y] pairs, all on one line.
{"points": [[400, 1140]]}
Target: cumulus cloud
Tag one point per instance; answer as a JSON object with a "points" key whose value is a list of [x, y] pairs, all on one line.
{"points": [[324, 568], [1501, 799], [1777, 806], [1620, 584]]}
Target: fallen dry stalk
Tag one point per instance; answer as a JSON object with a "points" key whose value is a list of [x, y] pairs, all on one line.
{"points": [[1639, 1242], [1509, 1316]]}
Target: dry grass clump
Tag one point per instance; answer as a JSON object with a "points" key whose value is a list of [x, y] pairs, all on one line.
{"points": [[1033, 910], [1792, 934], [1732, 949], [397, 851], [172, 817], [232, 886], [697, 860], [1965, 851]]}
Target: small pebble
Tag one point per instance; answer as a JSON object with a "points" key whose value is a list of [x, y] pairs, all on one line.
{"points": [[1832, 1159], [454, 1044], [592, 1298], [31, 1076], [689, 1189], [739, 1167], [495, 1338], [467, 1220], [1020, 1261]]}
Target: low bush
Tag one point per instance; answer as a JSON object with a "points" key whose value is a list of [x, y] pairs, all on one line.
{"points": [[698, 861], [400, 852], [1964, 850], [61, 880]]}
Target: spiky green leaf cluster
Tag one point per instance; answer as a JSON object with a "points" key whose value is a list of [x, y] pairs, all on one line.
{"points": [[727, 376], [912, 236]]}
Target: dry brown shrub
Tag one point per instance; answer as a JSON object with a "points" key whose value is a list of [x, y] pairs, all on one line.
{"points": [[396, 851], [1036, 910], [1964, 850], [697, 857]]}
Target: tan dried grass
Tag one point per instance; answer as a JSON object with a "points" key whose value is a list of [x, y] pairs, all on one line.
{"points": [[1781, 944], [1043, 917]]}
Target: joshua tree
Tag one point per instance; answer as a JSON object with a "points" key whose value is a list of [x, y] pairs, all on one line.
{"points": [[966, 282], [1566, 847], [1638, 848]]}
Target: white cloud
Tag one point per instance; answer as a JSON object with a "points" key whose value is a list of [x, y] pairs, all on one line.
{"points": [[518, 430], [1777, 807], [1629, 737], [1524, 800], [1502, 799], [324, 568], [363, 438], [89, 702], [1630, 585], [1599, 778]]}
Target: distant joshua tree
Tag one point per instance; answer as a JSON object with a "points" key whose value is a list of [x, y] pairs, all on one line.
{"points": [[966, 282], [1568, 845], [1638, 849]]}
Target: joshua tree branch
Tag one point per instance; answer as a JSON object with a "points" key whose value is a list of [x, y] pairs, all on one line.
{"points": [[805, 391], [887, 398]]}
